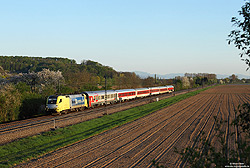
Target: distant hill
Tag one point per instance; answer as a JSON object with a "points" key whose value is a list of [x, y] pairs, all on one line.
{"points": [[240, 76], [173, 75], [88, 75], [24, 64], [167, 76]]}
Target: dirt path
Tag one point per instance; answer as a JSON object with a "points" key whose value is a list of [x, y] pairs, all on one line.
{"points": [[155, 136]]}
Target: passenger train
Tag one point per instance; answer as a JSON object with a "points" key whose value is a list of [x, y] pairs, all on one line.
{"points": [[65, 103]]}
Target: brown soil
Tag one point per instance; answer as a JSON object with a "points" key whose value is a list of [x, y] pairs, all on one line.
{"points": [[155, 136]]}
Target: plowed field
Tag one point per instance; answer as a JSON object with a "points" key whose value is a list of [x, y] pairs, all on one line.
{"points": [[155, 136]]}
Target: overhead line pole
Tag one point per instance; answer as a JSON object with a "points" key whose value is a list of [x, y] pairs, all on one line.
{"points": [[105, 95]]}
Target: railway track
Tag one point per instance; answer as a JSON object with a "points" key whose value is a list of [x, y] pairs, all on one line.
{"points": [[19, 129]]}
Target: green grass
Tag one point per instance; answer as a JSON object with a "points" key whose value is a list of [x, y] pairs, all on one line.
{"points": [[32, 147]]}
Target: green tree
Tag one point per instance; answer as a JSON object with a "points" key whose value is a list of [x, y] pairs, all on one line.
{"points": [[233, 78], [22, 87], [240, 37], [10, 102]]}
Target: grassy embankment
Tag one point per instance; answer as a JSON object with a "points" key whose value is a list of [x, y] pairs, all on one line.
{"points": [[32, 147]]}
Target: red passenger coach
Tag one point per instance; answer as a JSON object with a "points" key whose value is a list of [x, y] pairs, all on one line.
{"points": [[126, 94], [163, 89], [142, 92], [154, 90]]}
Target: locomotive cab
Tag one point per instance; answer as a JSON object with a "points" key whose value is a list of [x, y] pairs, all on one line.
{"points": [[57, 104]]}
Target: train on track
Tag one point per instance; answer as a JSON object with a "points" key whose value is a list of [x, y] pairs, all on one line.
{"points": [[58, 104]]}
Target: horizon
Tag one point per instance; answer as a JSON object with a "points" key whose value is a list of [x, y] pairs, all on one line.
{"points": [[221, 76], [138, 72], [158, 38]]}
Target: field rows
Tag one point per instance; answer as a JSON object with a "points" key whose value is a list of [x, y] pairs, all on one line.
{"points": [[155, 136]]}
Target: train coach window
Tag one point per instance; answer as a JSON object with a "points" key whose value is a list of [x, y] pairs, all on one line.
{"points": [[102, 97]]}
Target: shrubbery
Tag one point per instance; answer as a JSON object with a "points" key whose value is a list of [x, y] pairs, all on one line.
{"points": [[19, 102], [10, 102], [33, 104]]}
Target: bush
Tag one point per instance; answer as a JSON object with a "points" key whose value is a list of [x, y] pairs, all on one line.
{"points": [[33, 104], [10, 102], [22, 87]]}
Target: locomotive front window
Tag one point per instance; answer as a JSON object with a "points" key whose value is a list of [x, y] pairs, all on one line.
{"points": [[52, 101]]}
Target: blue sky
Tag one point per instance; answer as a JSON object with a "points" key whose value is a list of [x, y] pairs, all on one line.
{"points": [[160, 36]]}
